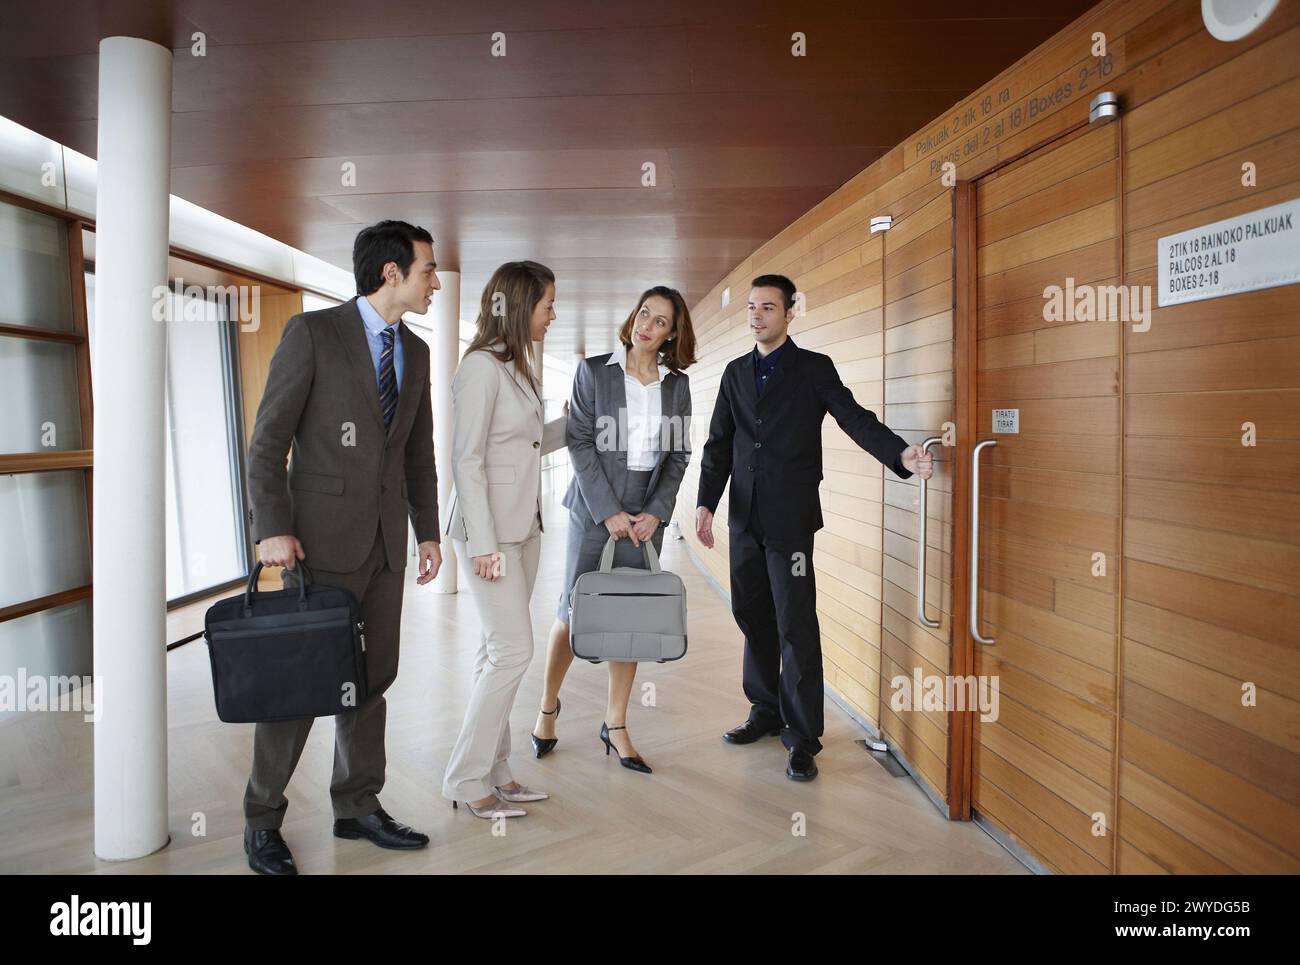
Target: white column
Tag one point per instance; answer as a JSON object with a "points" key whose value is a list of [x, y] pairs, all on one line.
{"points": [[444, 359], [134, 178]]}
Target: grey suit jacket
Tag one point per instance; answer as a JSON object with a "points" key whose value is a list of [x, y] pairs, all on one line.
{"points": [[597, 440], [347, 476]]}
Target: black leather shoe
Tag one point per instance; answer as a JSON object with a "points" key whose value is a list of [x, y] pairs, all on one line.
{"points": [[267, 852], [748, 732], [382, 830], [801, 766]]}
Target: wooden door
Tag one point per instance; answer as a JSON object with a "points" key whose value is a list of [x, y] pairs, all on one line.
{"points": [[1047, 228]]}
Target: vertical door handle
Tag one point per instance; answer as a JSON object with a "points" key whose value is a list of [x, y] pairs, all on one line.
{"points": [[920, 546], [975, 541]]}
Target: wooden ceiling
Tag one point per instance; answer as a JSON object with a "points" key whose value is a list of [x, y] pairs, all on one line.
{"points": [[538, 154]]}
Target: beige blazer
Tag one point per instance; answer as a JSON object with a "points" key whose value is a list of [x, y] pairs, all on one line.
{"points": [[498, 440]]}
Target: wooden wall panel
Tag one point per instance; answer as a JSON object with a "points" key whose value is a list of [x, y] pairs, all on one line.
{"points": [[1206, 527], [255, 350], [1211, 533]]}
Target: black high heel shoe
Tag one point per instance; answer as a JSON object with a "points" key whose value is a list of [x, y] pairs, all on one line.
{"points": [[544, 745], [631, 763]]}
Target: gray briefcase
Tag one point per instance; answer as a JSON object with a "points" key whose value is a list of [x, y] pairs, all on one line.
{"points": [[628, 613]]}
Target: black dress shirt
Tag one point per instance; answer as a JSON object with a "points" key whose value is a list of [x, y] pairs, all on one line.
{"points": [[765, 366]]}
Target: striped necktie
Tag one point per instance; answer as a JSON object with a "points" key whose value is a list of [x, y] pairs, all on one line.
{"points": [[387, 378]]}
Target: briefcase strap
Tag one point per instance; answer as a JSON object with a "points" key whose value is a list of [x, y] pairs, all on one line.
{"points": [[607, 556], [250, 590]]}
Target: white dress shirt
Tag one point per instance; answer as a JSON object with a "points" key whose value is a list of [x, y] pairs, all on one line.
{"points": [[644, 414]]}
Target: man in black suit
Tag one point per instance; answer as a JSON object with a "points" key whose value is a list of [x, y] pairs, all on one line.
{"points": [[766, 438]]}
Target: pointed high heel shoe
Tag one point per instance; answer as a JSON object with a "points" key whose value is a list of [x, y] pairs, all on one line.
{"points": [[631, 763], [490, 811], [520, 795], [544, 745]]}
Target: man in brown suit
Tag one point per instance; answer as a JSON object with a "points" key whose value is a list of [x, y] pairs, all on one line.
{"points": [[348, 396]]}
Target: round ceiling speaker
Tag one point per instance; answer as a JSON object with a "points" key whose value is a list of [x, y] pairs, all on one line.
{"points": [[1233, 19]]}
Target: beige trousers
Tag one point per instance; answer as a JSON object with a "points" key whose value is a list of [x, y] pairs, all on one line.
{"points": [[478, 760]]}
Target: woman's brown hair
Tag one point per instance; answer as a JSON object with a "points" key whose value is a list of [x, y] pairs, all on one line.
{"points": [[679, 351], [505, 313]]}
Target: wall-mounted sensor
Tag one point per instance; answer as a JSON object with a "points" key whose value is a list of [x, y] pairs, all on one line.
{"points": [[1104, 107], [882, 223]]}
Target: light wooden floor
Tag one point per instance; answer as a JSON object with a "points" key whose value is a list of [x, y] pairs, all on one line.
{"points": [[709, 807]]}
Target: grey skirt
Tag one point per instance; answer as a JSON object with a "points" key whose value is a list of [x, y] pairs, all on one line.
{"points": [[587, 539]]}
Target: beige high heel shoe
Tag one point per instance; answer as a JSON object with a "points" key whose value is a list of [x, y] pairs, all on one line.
{"points": [[521, 794], [490, 811]]}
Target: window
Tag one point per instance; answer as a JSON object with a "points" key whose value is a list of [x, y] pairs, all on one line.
{"points": [[314, 303], [207, 546], [45, 571]]}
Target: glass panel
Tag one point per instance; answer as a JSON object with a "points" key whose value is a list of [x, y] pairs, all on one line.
{"points": [[41, 407], [46, 539], [205, 542], [34, 283], [52, 643]]}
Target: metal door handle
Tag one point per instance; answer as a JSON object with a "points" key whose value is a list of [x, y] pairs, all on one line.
{"points": [[920, 546], [975, 541]]}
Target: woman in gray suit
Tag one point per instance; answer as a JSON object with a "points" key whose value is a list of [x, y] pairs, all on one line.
{"points": [[628, 438], [498, 440]]}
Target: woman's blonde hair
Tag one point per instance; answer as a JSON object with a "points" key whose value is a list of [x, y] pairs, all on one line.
{"points": [[505, 313]]}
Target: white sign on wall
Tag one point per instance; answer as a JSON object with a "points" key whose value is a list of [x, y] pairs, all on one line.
{"points": [[1256, 250]]}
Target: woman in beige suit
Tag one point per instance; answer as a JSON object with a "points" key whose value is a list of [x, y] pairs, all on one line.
{"points": [[498, 440]]}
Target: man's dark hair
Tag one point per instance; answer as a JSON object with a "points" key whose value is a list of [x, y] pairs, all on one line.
{"points": [[379, 244], [777, 281]]}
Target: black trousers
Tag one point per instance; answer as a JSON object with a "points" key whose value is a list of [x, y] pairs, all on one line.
{"points": [[774, 601], [359, 759]]}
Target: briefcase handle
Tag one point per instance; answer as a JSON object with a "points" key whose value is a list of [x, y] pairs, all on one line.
{"points": [[607, 556], [251, 589]]}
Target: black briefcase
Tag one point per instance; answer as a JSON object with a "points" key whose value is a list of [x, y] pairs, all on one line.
{"points": [[292, 653]]}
